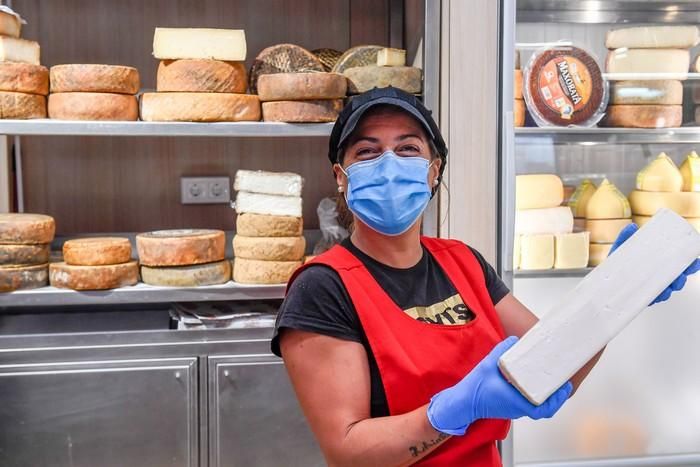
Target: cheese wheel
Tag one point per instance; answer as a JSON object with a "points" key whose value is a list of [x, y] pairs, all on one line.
{"points": [[253, 271], [95, 78], [537, 252], [10, 25], [633, 64], [328, 57], [199, 107], [180, 247], [262, 225], [358, 56], [641, 220], [646, 203], [24, 77], [282, 58], [269, 248], [661, 174], [598, 252], [112, 276], [579, 200], [23, 277], [97, 251], [201, 76], [21, 105], [519, 112], [13, 255], [301, 86], [26, 229], [364, 78], [538, 191], [302, 111], [644, 116], [518, 90], [93, 106], [605, 230], [690, 171], [646, 92], [608, 203], [653, 37], [270, 183], [19, 50], [544, 221], [188, 276]]}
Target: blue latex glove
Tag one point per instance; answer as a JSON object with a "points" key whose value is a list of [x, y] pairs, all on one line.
{"points": [[485, 393], [677, 284]]}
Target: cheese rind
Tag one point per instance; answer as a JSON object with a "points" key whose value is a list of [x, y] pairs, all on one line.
{"points": [[358, 56], [273, 205], [579, 200], [199, 43], [269, 248], [97, 251], [23, 277], [187, 276], [180, 247], [24, 77], [19, 50], [95, 78], [261, 225], [653, 37], [271, 183], [201, 76], [608, 203], [301, 86], [536, 252], [282, 58], [571, 250], [690, 171], [10, 25], [605, 230], [199, 107], [646, 92], [319, 111], [518, 89], [364, 78], [26, 229], [647, 203], [538, 191], [544, 221], [112, 276], [643, 116], [661, 174], [12, 255], [519, 112], [253, 271], [93, 106], [631, 64], [391, 57], [21, 105]]}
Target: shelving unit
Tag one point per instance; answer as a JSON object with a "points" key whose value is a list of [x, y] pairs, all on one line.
{"points": [[590, 136], [607, 11], [547, 273]]}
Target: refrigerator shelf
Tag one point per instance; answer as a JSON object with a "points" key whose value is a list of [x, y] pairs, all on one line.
{"points": [[607, 11], [609, 136], [552, 273]]}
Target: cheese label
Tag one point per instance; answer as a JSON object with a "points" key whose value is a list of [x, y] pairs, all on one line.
{"points": [[565, 85]]}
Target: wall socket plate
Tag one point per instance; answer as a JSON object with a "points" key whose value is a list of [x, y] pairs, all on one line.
{"points": [[205, 190]]}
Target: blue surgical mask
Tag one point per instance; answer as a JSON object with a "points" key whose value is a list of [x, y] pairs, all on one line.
{"points": [[388, 193]]}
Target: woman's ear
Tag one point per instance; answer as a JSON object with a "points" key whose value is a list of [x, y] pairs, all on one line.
{"points": [[434, 174], [340, 178]]}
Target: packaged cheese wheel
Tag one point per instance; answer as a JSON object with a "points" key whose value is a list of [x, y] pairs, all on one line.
{"points": [[641, 220], [536, 252], [26, 229], [97, 251], [19, 50], [24, 77], [608, 203], [301, 86], [684, 203], [364, 78], [201, 76], [95, 78], [661, 174], [544, 221], [282, 58], [605, 230], [26, 255], [647, 92], [328, 57], [23, 277], [571, 250], [633, 64], [66, 276], [188, 276], [21, 105], [93, 106], [302, 111], [10, 23], [564, 86], [269, 248], [597, 253], [358, 56], [518, 89], [262, 225], [644, 116], [579, 200], [690, 171], [519, 112], [254, 271], [538, 191], [180, 247], [199, 107], [653, 37]]}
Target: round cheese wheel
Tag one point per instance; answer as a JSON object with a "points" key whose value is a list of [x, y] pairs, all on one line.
{"points": [[93, 106], [328, 57], [201, 76], [23, 277], [199, 107], [641, 220], [24, 77], [518, 90], [605, 230], [598, 252], [301, 86], [110, 276], [269, 248], [684, 203], [361, 55], [519, 112], [25, 229], [97, 251], [180, 247], [538, 191], [188, 276], [302, 111], [21, 105], [282, 58], [644, 116], [95, 78], [364, 78], [14, 255], [654, 92], [254, 271], [263, 225]]}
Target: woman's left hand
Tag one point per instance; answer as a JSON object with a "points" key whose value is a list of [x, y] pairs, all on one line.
{"points": [[677, 284]]}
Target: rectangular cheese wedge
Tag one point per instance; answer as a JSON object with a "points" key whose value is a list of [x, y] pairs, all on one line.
{"points": [[631, 64], [19, 50], [600, 306], [273, 205], [544, 221], [10, 22], [653, 37], [181, 43], [391, 57], [536, 252], [271, 183], [571, 250]]}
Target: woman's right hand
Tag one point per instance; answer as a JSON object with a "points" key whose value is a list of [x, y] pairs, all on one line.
{"points": [[485, 393]]}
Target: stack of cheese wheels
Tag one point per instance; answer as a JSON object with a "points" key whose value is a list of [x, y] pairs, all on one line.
{"points": [[25, 247], [201, 77], [579, 201], [607, 213], [94, 92], [661, 185], [269, 244], [97, 263], [519, 104], [647, 65], [301, 97], [24, 83], [370, 66], [183, 258], [544, 237]]}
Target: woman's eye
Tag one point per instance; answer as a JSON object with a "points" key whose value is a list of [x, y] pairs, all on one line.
{"points": [[409, 148], [365, 151]]}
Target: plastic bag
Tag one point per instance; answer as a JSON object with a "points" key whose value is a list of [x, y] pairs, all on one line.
{"points": [[331, 231]]}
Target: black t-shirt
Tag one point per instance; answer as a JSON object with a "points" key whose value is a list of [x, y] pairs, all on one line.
{"points": [[318, 302]]}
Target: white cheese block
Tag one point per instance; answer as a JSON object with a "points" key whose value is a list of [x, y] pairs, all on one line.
{"points": [[538, 191], [391, 57], [186, 43], [536, 252], [661, 174], [544, 221], [690, 171], [571, 250], [646, 203], [579, 200], [631, 64], [608, 203], [653, 37], [600, 306], [273, 205], [19, 50], [598, 252], [271, 183], [187, 276], [605, 230]]}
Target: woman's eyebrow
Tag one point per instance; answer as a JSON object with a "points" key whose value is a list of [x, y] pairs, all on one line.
{"points": [[409, 135], [365, 138]]}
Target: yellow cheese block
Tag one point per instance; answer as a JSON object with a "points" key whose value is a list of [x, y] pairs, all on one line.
{"points": [[684, 203], [641, 220], [608, 203], [690, 171], [579, 200], [598, 252], [605, 230], [661, 174], [538, 191], [537, 252], [571, 250]]}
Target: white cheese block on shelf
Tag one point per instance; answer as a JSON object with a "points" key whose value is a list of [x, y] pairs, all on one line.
{"points": [[274, 205], [536, 252], [271, 183], [19, 50], [653, 37], [571, 250], [391, 57], [538, 191], [199, 43], [630, 64], [544, 221]]}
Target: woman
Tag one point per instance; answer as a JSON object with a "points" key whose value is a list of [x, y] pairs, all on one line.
{"points": [[391, 340]]}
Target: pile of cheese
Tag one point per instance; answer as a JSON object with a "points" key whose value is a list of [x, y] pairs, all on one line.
{"points": [[368, 67], [647, 65], [25, 248], [519, 104], [269, 244], [24, 83]]}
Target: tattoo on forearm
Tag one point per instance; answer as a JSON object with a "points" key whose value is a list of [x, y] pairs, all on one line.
{"points": [[426, 445]]}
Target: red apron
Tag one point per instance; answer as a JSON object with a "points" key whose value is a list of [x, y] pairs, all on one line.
{"points": [[416, 360]]}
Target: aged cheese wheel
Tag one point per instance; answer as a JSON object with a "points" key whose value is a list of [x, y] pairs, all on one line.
{"points": [[282, 58], [24, 77], [655, 92], [518, 90], [328, 57], [519, 112], [301, 86], [24, 254], [269, 248], [302, 111], [21, 105], [93, 106], [361, 55], [95, 78], [188, 276], [201, 76], [364, 78], [180, 247], [199, 107], [23, 277], [110, 276], [254, 271], [605, 230], [10, 24], [97, 251], [26, 229], [263, 225], [644, 116]]}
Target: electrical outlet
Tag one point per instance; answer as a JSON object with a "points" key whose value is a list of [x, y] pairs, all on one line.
{"points": [[205, 190]]}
